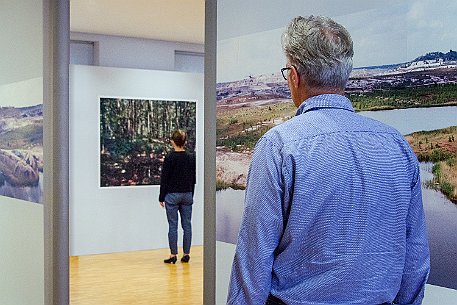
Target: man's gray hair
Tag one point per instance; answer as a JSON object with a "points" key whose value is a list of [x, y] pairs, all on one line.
{"points": [[320, 49]]}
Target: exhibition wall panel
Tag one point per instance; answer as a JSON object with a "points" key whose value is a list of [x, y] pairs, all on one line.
{"points": [[389, 38], [82, 52], [21, 140], [136, 53], [189, 62], [22, 257], [114, 219]]}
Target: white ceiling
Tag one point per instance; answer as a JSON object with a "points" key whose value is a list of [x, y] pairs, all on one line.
{"points": [[172, 20]]}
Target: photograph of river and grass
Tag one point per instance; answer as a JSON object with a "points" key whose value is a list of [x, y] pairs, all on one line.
{"points": [[135, 138], [21, 152]]}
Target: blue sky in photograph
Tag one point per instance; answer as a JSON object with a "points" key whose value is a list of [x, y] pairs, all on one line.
{"points": [[253, 54], [383, 33], [379, 35], [431, 27]]}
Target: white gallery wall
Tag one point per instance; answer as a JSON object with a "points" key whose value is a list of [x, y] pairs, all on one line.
{"points": [[22, 254], [105, 220], [21, 84]]}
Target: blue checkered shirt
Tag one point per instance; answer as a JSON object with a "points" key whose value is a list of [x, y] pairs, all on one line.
{"points": [[333, 213]]}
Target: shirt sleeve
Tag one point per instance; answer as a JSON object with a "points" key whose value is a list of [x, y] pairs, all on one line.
{"points": [[417, 260], [164, 178], [261, 228]]}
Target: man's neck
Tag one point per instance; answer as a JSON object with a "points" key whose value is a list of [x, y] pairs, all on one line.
{"points": [[310, 92], [307, 92]]}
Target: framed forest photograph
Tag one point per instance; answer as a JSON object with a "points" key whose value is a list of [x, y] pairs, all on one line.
{"points": [[135, 138]]}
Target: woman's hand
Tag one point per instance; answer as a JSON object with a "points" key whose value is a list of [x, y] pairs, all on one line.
{"points": [[162, 204]]}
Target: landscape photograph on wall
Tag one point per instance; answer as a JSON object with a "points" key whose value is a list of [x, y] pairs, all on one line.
{"points": [[135, 138], [21, 152], [405, 75]]}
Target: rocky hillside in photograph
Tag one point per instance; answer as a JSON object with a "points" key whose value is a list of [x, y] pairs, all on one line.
{"points": [[21, 145], [449, 56]]}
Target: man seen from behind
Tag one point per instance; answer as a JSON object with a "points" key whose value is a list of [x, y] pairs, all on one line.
{"points": [[333, 209]]}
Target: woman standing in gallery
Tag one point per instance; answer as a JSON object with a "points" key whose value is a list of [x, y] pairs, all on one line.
{"points": [[176, 194]]}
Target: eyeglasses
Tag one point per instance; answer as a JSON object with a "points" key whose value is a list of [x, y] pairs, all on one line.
{"points": [[285, 69]]}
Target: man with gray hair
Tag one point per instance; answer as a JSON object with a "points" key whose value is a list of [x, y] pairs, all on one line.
{"points": [[333, 208]]}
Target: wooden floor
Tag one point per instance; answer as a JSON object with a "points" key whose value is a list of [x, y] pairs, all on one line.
{"points": [[134, 278]]}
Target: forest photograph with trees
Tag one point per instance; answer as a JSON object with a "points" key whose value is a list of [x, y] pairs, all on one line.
{"points": [[135, 138]]}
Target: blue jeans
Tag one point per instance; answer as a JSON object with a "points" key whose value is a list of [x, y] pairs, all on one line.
{"points": [[181, 202]]}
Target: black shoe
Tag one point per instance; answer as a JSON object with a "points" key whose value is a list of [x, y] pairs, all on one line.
{"points": [[171, 260], [185, 258]]}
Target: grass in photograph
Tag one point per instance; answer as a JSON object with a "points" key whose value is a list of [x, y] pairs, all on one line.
{"points": [[239, 128], [401, 98], [440, 147]]}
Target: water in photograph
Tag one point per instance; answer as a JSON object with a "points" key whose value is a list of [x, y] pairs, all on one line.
{"points": [[230, 204], [27, 193], [410, 120], [441, 217]]}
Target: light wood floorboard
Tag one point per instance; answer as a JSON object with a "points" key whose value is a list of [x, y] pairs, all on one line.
{"points": [[136, 278]]}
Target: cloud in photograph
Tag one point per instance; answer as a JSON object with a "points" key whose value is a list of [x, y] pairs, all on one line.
{"points": [[254, 54], [431, 27], [278, 13], [379, 35], [22, 94], [382, 35]]}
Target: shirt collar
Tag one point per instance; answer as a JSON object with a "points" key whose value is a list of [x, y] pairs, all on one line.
{"points": [[325, 101]]}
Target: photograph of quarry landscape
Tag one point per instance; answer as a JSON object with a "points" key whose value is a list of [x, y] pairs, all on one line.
{"points": [[21, 152], [246, 109]]}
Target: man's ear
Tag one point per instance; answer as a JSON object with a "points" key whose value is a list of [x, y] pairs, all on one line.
{"points": [[294, 77]]}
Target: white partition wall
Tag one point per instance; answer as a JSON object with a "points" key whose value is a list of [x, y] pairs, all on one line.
{"points": [[114, 219], [21, 202]]}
